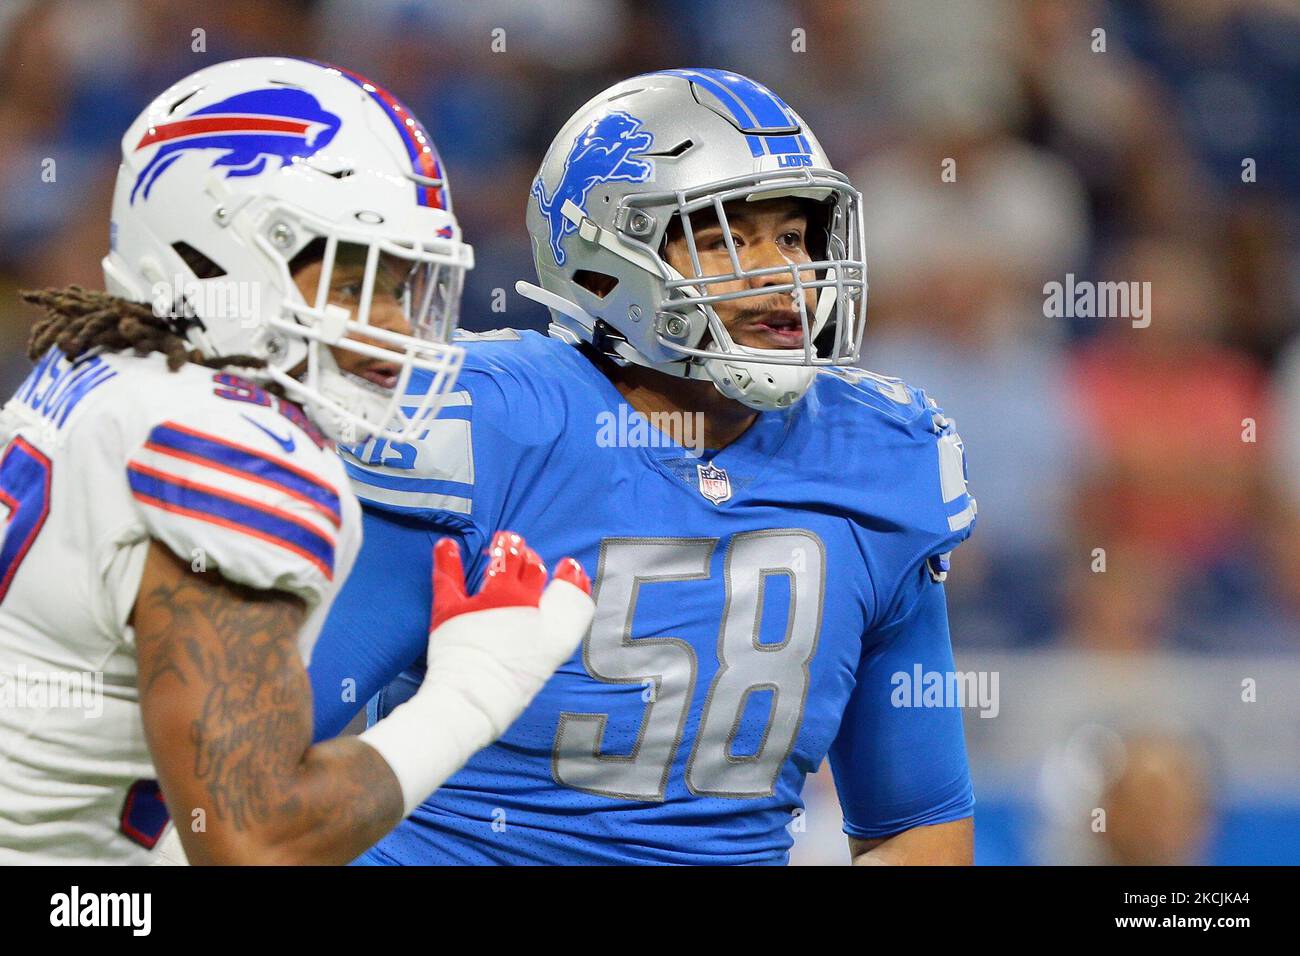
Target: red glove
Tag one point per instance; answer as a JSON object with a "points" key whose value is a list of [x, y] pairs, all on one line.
{"points": [[489, 655], [515, 577]]}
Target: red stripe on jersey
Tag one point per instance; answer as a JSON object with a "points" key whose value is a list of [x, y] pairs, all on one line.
{"points": [[180, 509], [278, 462]]}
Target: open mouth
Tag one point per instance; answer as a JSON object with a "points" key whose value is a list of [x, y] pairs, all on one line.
{"points": [[778, 329], [380, 375]]}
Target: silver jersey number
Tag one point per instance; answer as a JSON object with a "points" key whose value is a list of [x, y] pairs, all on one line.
{"points": [[666, 667]]}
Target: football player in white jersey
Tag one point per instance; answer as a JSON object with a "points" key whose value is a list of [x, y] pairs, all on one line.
{"points": [[176, 522]]}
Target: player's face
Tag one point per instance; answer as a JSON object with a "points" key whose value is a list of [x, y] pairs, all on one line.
{"points": [[769, 232], [386, 311]]}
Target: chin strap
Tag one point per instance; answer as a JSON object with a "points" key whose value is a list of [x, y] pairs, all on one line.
{"points": [[617, 349], [557, 303]]}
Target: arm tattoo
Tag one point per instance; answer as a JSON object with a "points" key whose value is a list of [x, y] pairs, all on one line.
{"points": [[237, 648]]}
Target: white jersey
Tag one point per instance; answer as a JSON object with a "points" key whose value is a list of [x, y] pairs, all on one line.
{"points": [[97, 458]]}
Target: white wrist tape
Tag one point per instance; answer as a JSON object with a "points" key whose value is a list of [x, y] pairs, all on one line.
{"points": [[427, 739], [485, 667]]}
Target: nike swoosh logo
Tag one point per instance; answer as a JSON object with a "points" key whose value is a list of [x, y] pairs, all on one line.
{"points": [[285, 443]]}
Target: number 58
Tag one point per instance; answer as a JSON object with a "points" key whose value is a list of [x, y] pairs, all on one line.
{"points": [[669, 665]]}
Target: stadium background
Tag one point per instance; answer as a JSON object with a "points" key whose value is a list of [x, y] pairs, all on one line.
{"points": [[1119, 689]]}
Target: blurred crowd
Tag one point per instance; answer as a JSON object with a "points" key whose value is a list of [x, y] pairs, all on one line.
{"points": [[1136, 483]]}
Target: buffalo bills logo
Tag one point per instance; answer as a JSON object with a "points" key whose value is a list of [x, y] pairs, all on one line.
{"points": [[603, 153], [283, 124]]}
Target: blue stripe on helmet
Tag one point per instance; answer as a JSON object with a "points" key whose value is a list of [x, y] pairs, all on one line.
{"points": [[724, 96], [763, 105], [768, 109], [752, 105], [785, 108], [424, 158]]}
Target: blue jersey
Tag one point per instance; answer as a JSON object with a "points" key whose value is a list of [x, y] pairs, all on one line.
{"points": [[754, 610]]}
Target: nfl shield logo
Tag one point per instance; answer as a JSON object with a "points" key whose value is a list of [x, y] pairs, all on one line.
{"points": [[714, 483]]}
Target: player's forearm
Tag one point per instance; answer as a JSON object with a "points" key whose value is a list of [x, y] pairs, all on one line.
{"points": [[943, 844], [342, 799], [227, 714], [252, 792]]}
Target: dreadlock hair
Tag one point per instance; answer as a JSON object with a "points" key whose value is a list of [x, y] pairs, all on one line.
{"points": [[79, 320]]}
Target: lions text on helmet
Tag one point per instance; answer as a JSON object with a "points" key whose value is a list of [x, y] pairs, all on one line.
{"points": [[650, 219]]}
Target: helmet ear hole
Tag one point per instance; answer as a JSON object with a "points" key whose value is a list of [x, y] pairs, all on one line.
{"points": [[599, 284], [200, 265]]}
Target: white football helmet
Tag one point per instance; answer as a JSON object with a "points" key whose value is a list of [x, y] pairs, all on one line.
{"points": [[232, 172], [662, 147]]}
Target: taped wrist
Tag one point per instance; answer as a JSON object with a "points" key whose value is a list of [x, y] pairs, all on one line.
{"points": [[484, 669]]}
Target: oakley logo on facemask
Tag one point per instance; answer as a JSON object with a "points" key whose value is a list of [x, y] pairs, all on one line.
{"points": [[283, 124], [603, 153]]}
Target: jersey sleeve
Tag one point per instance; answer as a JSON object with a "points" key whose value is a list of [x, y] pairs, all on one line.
{"points": [[898, 765], [917, 494], [260, 504]]}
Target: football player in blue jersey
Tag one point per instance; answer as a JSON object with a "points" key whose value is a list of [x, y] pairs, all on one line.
{"points": [[770, 526]]}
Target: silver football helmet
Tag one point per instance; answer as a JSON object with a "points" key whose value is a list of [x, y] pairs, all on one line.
{"points": [[674, 144]]}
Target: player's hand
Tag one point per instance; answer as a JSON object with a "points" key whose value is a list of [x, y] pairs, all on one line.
{"points": [[500, 645]]}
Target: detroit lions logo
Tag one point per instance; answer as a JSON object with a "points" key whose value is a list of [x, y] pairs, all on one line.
{"points": [[603, 153], [283, 124]]}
